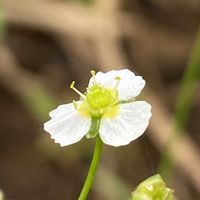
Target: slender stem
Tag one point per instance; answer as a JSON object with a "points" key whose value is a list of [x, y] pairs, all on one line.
{"points": [[93, 167]]}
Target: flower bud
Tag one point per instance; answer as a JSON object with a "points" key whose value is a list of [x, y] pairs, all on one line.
{"points": [[153, 188]]}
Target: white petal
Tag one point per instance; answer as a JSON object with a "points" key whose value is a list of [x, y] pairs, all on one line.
{"points": [[131, 122], [129, 86], [67, 125]]}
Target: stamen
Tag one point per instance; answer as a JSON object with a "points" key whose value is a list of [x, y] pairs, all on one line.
{"points": [[118, 79], [75, 104], [93, 73], [77, 91]]}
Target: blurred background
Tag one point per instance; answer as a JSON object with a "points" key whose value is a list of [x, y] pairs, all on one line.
{"points": [[46, 44]]}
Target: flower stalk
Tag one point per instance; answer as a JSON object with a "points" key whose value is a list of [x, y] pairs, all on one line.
{"points": [[92, 171]]}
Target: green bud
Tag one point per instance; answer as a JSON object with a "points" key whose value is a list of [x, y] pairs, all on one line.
{"points": [[153, 188]]}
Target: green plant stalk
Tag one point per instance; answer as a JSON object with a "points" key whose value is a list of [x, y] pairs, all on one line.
{"points": [[182, 107], [92, 171]]}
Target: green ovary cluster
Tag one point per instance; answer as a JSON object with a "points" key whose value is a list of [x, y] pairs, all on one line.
{"points": [[100, 99]]}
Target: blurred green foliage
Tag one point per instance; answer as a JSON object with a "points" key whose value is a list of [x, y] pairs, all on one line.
{"points": [[188, 86], [86, 2], [183, 106], [110, 185], [39, 102], [2, 22]]}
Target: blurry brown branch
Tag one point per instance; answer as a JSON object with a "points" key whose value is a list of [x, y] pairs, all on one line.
{"points": [[76, 21], [58, 18], [106, 27]]}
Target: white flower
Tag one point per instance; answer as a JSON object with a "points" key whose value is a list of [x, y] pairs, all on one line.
{"points": [[108, 108]]}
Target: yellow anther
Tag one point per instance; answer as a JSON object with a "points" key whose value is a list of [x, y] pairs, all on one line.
{"points": [[77, 91], [118, 79], [75, 104], [72, 84], [93, 73]]}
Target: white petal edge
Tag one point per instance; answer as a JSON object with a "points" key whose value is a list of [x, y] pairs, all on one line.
{"points": [[129, 86], [131, 122], [67, 126]]}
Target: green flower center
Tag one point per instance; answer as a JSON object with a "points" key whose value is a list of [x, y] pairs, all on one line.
{"points": [[99, 97], [98, 100]]}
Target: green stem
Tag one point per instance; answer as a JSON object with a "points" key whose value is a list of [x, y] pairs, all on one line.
{"points": [[93, 167]]}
